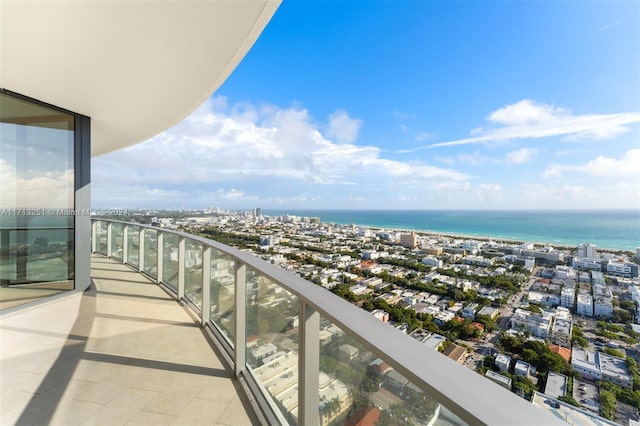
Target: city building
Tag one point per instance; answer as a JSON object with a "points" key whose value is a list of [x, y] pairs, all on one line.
{"points": [[503, 362], [567, 297], [602, 306], [409, 240], [432, 261], [556, 385], [601, 366], [522, 369], [469, 311], [565, 272], [586, 264], [621, 268], [584, 305], [536, 324], [587, 250], [561, 332]]}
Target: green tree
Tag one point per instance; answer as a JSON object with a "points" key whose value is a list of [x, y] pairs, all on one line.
{"points": [[607, 404], [569, 400]]}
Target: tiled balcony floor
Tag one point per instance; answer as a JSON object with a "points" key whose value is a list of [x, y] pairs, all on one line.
{"points": [[121, 353]]}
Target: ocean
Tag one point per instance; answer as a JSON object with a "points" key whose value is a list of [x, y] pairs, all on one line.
{"points": [[610, 229]]}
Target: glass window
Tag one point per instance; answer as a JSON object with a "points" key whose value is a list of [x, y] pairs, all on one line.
{"points": [[36, 200]]}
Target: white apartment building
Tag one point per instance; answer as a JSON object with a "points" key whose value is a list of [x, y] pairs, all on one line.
{"points": [[567, 297], [621, 268], [478, 260], [537, 325], [561, 332], [584, 306], [600, 366], [545, 299], [503, 361], [602, 306], [586, 264], [564, 272], [587, 250], [522, 369], [432, 261]]}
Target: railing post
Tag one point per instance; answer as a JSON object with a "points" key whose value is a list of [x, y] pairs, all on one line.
{"points": [[94, 232], [109, 236], [206, 284], [141, 249], [181, 260], [125, 243], [160, 255], [240, 322], [308, 365]]}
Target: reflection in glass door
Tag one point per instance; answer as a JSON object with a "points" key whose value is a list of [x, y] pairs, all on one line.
{"points": [[36, 200]]}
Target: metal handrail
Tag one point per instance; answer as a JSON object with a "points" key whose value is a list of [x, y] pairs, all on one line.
{"points": [[471, 397]]}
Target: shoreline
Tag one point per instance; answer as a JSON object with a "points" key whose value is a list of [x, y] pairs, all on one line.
{"points": [[479, 237], [611, 230]]}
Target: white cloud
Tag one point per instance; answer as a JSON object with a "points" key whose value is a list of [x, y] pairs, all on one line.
{"points": [[423, 136], [628, 166], [520, 156], [342, 127], [35, 189], [528, 119], [494, 187], [248, 152], [526, 112]]}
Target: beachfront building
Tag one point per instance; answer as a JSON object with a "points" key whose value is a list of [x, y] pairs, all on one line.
{"points": [[587, 250]]}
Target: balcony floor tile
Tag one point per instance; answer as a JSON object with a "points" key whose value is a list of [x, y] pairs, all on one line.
{"points": [[123, 352]]}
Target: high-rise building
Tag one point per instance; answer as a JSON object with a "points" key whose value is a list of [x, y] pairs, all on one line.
{"points": [[587, 250]]}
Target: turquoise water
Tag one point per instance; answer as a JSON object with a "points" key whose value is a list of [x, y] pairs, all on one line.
{"points": [[612, 229]]}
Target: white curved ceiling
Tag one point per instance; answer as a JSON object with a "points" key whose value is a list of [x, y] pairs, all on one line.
{"points": [[135, 67]]}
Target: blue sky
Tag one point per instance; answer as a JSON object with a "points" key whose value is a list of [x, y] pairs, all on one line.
{"points": [[409, 105]]}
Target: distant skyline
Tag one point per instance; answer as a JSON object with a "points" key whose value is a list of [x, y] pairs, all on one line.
{"points": [[408, 105]]}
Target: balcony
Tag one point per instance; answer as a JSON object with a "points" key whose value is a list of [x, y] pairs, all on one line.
{"points": [[246, 340]]}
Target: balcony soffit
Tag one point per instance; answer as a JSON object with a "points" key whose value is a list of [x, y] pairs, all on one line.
{"points": [[136, 68]]}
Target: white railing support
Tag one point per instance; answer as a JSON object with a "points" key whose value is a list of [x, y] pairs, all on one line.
{"points": [[240, 318], [206, 284]]}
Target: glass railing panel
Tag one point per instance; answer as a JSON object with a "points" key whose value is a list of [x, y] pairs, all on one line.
{"points": [[355, 383], [117, 243], [193, 272], [170, 260], [133, 245], [272, 341], [101, 237], [151, 252], [222, 309]]}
